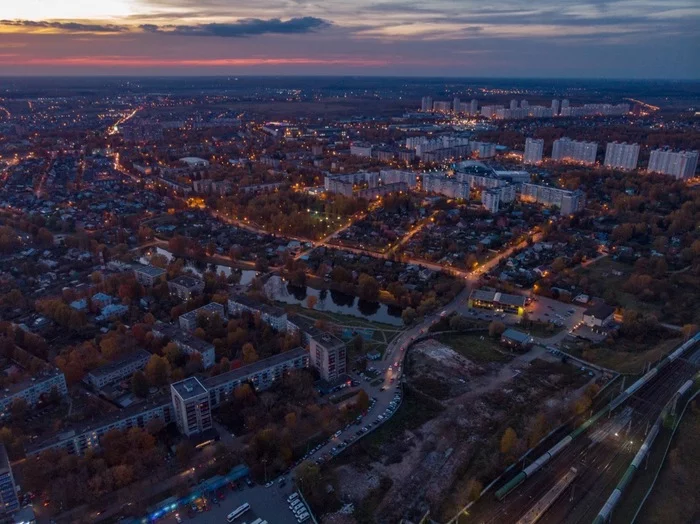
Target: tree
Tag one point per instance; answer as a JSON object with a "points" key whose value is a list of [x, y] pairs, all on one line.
{"points": [[18, 408], [157, 370], [690, 330], [582, 405], [508, 440], [184, 452], [155, 426], [307, 476], [357, 343], [362, 401], [290, 420], [538, 430], [474, 488], [298, 278], [368, 288], [311, 301], [139, 384], [409, 316], [243, 392], [249, 353], [460, 323], [496, 328], [173, 353]]}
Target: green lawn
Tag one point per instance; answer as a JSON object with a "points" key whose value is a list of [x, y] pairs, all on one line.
{"points": [[474, 348]]}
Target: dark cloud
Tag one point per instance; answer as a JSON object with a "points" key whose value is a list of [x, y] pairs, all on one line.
{"points": [[242, 28], [68, 27]]}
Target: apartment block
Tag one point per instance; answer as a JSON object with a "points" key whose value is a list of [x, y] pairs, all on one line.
{"points": [[188, 321], [621, 155], [328, 356], [534, 148], [187, 342], [191, 406], [186, 286], [568, 150], [680, 164], [119, 369], [33, 389], [148, 275], [568, 202], [9, 503]]}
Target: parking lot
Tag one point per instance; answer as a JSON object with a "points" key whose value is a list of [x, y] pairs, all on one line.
{"points": [[266, 503]]}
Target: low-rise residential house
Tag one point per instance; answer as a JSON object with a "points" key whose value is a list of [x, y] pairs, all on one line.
{"points": [[186, 286], [187, 342], [148, 275], [188, 321]]}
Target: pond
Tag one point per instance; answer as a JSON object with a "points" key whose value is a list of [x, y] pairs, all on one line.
{"points": [[198, 268], [333, 302]]}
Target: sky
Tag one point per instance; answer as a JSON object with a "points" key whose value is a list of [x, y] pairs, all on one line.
{"points": [[459, 38]]}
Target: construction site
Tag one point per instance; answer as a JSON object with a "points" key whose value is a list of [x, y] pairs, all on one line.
{"points": [[462, 421]]}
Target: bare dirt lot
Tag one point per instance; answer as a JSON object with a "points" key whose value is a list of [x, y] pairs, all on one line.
{"points": [[447, 438]]}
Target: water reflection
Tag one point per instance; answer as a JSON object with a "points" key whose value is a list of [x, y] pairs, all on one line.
{"points": [[333, 301], [198, 267]]}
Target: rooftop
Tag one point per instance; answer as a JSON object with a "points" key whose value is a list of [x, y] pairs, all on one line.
{"points": [[518, 336], [211, 308], [175, 333], [152, 271], [600, 311], [12, 389], [104, 421], [495, 296], [251, 369], [187, 281], [191, 387], [127, 359]]}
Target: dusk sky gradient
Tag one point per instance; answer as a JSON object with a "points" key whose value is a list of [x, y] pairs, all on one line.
{"points": [[461, 38]]}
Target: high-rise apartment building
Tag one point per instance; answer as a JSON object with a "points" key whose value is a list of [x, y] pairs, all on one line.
{"points": [[328, 355], [490, 111], [426, 103], [456, 105], [442, 106], [513, 104], [567, 150], [474, 107], [681, 164], [534, 148], [555, 107], [8, 491], [524, 104], [568, 202], [565, 104], [491, 199], [621, 155], [192, 406]]}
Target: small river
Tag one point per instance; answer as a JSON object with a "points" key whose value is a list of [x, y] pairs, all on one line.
{"points": [[333, 302], [247, 275]]}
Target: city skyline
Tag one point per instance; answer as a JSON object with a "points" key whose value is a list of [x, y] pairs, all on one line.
{"points": [[596, 39]]}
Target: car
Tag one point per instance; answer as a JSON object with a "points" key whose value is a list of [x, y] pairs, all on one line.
{"points": [[269, 484], [249, 482], [178, 518], [303, 518]]}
